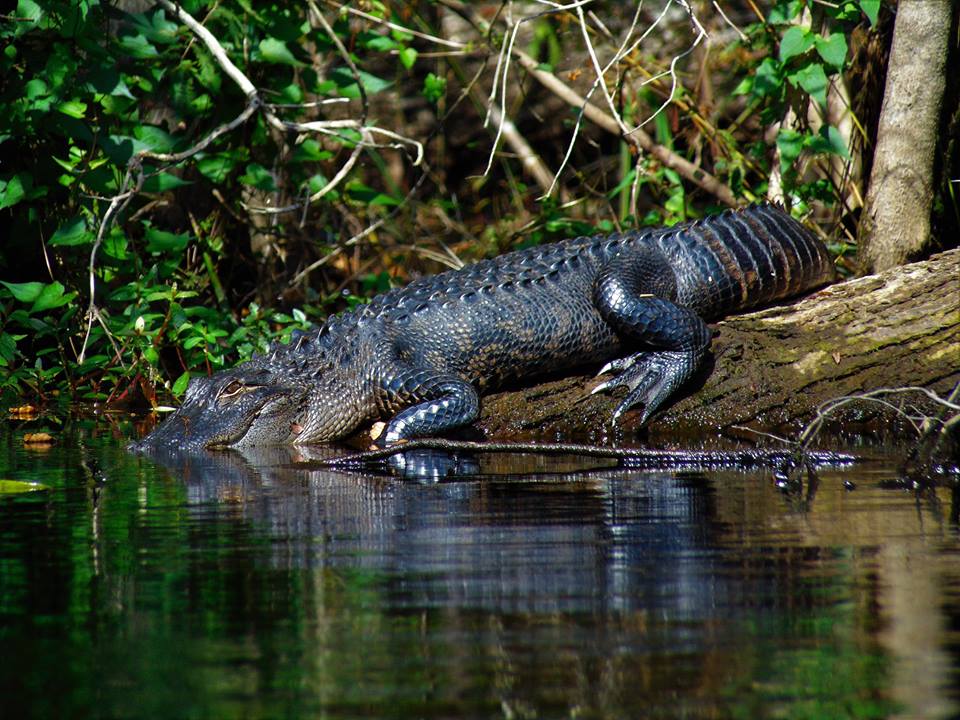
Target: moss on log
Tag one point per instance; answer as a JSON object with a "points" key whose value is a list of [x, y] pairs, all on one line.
{"points": [[774, 367]]}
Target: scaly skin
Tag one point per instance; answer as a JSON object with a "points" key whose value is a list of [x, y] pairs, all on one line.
{"points": [[419, 355]]}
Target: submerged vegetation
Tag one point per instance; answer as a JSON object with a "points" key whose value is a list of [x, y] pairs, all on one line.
{"points": [[183, 184]]}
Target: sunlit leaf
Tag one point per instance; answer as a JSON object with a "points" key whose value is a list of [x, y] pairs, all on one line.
{"points": [[73, 232], [795, 41], [276, 51], [813, 80], [408, 56], [833, 50], [15, 487], [73, 108], [871, 9], [180, 386]]}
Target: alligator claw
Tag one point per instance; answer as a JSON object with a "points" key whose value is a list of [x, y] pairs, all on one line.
{"points": [[619, 364], [650, 378]]}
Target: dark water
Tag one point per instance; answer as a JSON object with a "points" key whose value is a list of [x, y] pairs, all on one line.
{"points": [[255, 587]]}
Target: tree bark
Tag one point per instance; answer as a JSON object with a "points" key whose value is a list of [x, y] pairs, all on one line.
{"points": [[774, 367], [895, 225]]}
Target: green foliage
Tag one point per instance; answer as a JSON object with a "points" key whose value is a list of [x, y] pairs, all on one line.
{"points": [[87, 88], [797, 69], [190, 274]]}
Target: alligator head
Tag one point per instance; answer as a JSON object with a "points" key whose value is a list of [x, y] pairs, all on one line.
{"points": [[234, 408]]}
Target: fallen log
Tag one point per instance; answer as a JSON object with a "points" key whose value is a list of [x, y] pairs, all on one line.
{"points": [[772, 368]]}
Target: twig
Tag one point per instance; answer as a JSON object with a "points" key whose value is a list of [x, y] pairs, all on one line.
{"points": [[252, 106], [639, 138], [828, 408], [634, 457], [393, 26], [214, 46], [117, 205]]}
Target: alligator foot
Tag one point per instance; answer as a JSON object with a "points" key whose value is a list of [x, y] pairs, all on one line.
{"points": [[649, 377]]}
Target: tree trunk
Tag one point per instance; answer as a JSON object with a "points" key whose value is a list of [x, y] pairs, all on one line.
{"points": [[774, 367], [895, 225]]}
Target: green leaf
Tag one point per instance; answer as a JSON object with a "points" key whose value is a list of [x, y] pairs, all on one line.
{"points": [[381, 43], [767, 79], [871, 8], [347, 84], [829, 140], [73, 108], [795, 41], [14, 190], [813, 80], [8, 347], [311, 151], [180, 386], [276, 51], [73, 232], [50, 297], [292, 93], [154, 138], [31, 12], [408, 56], [790, 144], [833, 50], [784, 11], [138, 47], [217, 168], [434, 87], [367, 195], [162, 182], [24, 292], [160, 241], [107, 81], [155, 26], [258, 176], [744, 87]]}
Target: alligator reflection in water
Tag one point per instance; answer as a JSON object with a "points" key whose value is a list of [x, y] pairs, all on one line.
{"points": [[705, 578], [593, 540]]}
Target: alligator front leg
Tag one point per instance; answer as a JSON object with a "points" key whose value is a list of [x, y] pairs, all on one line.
{"points": [[635, 293], [440, 402]]}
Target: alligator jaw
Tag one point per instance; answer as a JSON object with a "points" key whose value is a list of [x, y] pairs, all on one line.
{"points": [[263, 416]]}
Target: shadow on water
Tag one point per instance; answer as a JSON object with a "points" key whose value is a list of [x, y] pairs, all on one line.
{"points": [[522, 586]]}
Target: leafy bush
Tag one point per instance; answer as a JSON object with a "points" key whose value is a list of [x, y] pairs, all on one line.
{"points": [[103, 185]]}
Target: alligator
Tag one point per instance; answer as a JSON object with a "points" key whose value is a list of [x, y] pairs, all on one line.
{"points": [[420, 355]]}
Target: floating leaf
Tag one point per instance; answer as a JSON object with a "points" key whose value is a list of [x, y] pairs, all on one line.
{"points": [[15, 487]]}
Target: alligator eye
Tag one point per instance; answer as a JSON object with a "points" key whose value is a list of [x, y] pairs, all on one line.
{"points": [[234, 388]]}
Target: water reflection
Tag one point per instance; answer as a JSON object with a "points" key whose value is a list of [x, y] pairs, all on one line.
{"points": [[222, 585], [593, 541]]}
